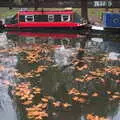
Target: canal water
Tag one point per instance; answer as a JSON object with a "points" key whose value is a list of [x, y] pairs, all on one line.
{"points": [[59, 76]]}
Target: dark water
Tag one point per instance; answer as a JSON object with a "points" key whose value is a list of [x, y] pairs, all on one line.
{"points": [[58, 63]]}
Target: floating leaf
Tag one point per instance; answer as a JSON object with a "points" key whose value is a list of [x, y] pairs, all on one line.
{"points": [[94, 117], [82, 68], [44, 99], [98, 72], [65, 105], [113, 70], [116, 96], [73, 91], [27, 102], [108, 92], [95, 94], [80, 80], [57, 104], [84, 94]]}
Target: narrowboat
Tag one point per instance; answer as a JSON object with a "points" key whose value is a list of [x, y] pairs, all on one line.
{"points": [[110, 23], [45, 19]]}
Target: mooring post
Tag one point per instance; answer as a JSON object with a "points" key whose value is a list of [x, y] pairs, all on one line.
{"points": [[84, 9]]}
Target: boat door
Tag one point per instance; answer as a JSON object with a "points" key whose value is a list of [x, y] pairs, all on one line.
{"points": [[12, 22]]}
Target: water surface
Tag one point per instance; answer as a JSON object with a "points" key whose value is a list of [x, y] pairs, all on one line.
{"points": [[72, 76]]}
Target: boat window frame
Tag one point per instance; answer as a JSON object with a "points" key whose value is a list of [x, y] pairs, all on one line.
{"points": [[33, 19], [68, 20], [14, 19], [53, 19]]}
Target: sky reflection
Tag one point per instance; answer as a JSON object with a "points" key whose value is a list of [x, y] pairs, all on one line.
{"points": [[7, 68]]}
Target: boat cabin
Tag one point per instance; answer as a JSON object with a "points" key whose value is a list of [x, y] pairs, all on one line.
{"points": [[45, 19]]}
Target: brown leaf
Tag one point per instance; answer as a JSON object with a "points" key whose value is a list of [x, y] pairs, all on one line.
{"points": [[44, 99], [95, 94], [65, 105], [82, 68], [57, 104]]}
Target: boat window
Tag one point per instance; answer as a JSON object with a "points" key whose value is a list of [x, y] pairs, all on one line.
{"points": [[65, 18], [57, 18], [8, 20], [22, 18], [14, 17], [41, 18], [50, 18], [29, 18]]}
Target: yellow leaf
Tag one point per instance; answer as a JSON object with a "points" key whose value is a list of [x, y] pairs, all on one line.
{"points": [[44, 99], [115, 97], [82, 100], [57, 104], [82, 68], [27, 102], [84, 94], [65, 105], [75, 98], [73, 91], [95, 94]]}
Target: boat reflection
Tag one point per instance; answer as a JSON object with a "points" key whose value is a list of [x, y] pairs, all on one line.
{"points": [[51, 38], [62, 42], [45, 34]]}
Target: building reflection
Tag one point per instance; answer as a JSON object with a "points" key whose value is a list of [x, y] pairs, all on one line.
{"points": [[103, 45]]}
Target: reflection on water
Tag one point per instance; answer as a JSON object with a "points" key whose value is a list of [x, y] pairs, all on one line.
{"points": [[3, 40], [113, 56], [7, 67], [97, 44], [71, 68]]}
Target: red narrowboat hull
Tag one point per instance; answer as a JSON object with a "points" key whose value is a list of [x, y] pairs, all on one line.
{"points": [[35, 25]]}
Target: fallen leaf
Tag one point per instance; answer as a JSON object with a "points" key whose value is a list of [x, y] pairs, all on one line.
{"points": [[65, 105], [57, 104]]}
